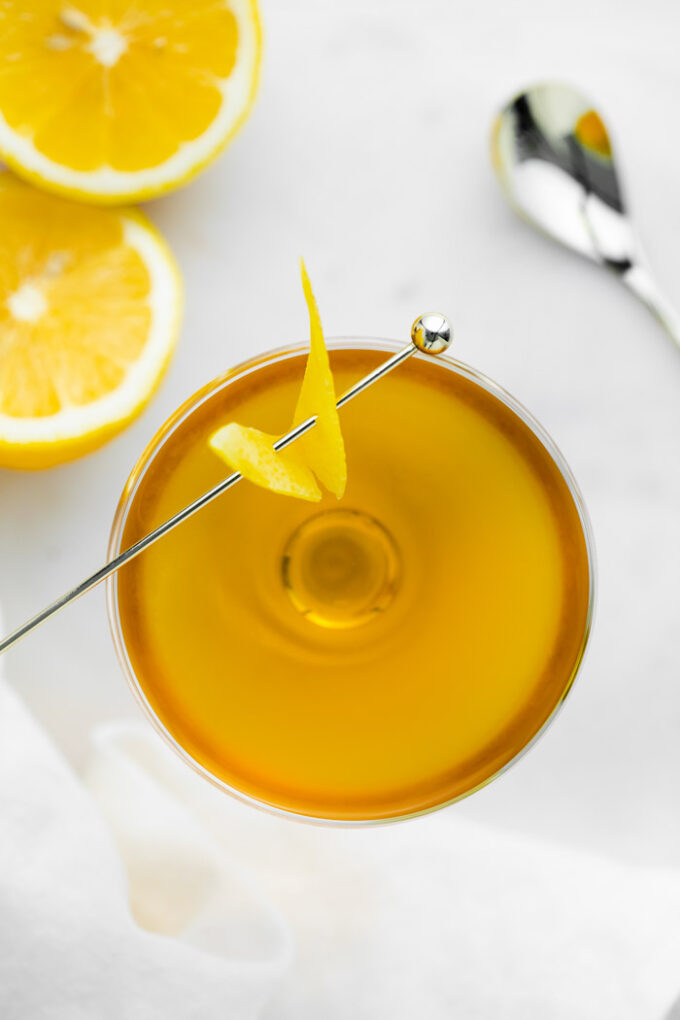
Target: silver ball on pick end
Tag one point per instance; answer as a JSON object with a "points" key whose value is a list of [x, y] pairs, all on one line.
{"points": [[431, 333]]}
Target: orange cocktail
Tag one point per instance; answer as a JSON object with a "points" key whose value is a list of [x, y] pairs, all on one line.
{"points": [[369, 658]]}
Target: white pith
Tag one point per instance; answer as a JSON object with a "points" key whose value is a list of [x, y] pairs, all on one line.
{"points": [[119, 404], [27, 303], [105, 181], [107, 46]]}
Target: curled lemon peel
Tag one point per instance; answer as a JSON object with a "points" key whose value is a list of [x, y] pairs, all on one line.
{"points": [[320, 452]]}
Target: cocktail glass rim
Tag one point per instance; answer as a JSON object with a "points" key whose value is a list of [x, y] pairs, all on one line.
{"points": [[241, 370]]}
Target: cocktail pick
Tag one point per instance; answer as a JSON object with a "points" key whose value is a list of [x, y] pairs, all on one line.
{"points": [[553, 157], [430, 334]]}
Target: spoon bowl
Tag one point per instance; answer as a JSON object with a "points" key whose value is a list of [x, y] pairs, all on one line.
{"points": [[553, 157]]}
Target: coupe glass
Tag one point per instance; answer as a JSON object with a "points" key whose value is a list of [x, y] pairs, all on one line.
{"points": [[416, 388]]}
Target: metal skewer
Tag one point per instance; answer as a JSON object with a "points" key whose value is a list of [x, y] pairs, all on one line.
{"points": [[429, 333]]}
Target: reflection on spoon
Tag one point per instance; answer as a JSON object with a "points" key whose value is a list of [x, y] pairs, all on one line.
{"points": [[553, 157]]}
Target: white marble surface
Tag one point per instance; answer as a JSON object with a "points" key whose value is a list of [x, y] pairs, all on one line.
{"points": [[367, 152]]}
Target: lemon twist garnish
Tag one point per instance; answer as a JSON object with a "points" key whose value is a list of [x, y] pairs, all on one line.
{"points": [[319, 452]]}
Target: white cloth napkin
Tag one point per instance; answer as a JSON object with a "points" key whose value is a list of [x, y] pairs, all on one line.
{"points": [[72, 944], [153, 895]]}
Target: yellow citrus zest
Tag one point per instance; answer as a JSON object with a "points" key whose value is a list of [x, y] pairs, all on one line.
{"points": [[251, 452], [322, 448], [319, 452]]}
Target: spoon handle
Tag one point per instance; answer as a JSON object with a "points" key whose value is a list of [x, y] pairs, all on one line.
{"points": [[640, 282]]}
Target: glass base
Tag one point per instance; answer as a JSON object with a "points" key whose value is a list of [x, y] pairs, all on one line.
{"points": [[341, 568]]}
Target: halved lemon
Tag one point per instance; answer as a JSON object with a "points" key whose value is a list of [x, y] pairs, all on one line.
{"points": [[89, 312], [121, 100]]}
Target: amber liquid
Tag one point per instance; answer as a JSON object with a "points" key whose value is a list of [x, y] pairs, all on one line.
{"points": [[369, 658]]}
